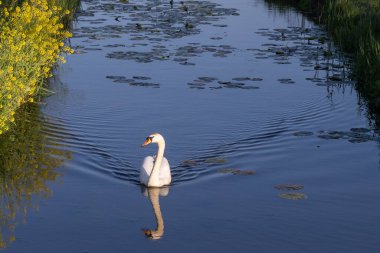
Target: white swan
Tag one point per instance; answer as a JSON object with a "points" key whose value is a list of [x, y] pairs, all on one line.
{"points": [[155, 171]]}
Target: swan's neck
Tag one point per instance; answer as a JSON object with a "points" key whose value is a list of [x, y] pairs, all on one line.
{"points": [[154, 180]]}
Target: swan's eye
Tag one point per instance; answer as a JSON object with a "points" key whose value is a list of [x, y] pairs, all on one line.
{"points": [[149, 139]]}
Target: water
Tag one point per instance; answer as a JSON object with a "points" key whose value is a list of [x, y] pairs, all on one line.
{"points": [[277, 105]]}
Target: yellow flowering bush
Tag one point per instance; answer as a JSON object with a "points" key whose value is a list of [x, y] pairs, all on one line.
{"points": [[31, 42]]}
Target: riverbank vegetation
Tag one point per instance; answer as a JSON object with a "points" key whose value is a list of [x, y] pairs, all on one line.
{"points": [[32, 36], [355, 27]]}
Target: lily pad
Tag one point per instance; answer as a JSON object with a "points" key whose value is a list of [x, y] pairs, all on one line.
{"points": [[207, 79], [216, 160], [303, 133], [256, 79], [360, 130], [141, 77], [286, 80], [237, 171], [145, 84], [241, 79], [189, 163], [357, 140]]}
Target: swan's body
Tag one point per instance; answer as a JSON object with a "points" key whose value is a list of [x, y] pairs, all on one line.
{"points": [[164, 177], [155, 171]]}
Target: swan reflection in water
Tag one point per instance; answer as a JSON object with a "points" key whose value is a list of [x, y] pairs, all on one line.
{"points": [[154, 193]]}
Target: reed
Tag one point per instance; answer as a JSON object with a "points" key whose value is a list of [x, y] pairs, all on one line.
{"points": [[355, 26]]}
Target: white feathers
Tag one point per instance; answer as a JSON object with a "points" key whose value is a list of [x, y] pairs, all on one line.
{"points": [[155, 171]]}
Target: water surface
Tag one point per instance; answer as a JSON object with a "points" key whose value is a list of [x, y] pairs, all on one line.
{"points": [[234, 87]]}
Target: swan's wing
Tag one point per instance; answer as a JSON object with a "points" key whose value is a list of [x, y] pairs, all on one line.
{"points": [[146, 169], [165, 175]]}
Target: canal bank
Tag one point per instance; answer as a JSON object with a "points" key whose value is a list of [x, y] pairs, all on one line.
{"points": [[354, 26], [32, 40]]}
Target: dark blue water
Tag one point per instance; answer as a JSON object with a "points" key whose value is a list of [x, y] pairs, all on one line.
{"points": [[274, 103]]}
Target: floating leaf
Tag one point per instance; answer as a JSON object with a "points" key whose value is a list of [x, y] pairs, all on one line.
{"points": [[286, 80], [217, 160], [189, 163], [237, 171], [256, 79], [141, 77], [241, 79], [360, 130], [303, 133]]}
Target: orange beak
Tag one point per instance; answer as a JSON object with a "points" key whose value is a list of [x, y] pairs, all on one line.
{"points": [[147, 142]]}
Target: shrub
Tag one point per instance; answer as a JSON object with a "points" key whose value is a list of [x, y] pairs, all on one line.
{"points": [[31, 42]]}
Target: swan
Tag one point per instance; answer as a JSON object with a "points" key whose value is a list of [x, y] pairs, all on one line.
{"points": [[155, 171]]}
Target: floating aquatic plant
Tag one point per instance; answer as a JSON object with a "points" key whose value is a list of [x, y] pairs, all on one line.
{"points": [[237, 172], [216, 160]]}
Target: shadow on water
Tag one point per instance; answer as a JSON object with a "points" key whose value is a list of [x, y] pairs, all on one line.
{"points": [[28, 162]]}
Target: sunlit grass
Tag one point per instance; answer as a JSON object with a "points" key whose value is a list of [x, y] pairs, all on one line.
{"points": [[31, 42]]}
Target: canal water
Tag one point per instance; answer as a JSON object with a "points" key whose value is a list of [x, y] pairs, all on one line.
{"points": [[270, 146]]}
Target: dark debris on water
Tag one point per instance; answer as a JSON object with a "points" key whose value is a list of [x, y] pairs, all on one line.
{"points": [[355, 135]]}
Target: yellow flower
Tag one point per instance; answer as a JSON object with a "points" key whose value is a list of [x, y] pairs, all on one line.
{"points": [[31, 42]]}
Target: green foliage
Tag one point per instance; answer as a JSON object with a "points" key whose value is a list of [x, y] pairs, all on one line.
{"points": [[355, 26], [71, 5], [32, 35]]}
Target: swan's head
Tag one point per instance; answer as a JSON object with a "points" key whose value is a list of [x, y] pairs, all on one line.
{"points": [[153, 138]]}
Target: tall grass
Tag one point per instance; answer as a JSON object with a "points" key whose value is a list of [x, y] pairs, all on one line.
{"points": [[355, 26]]}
